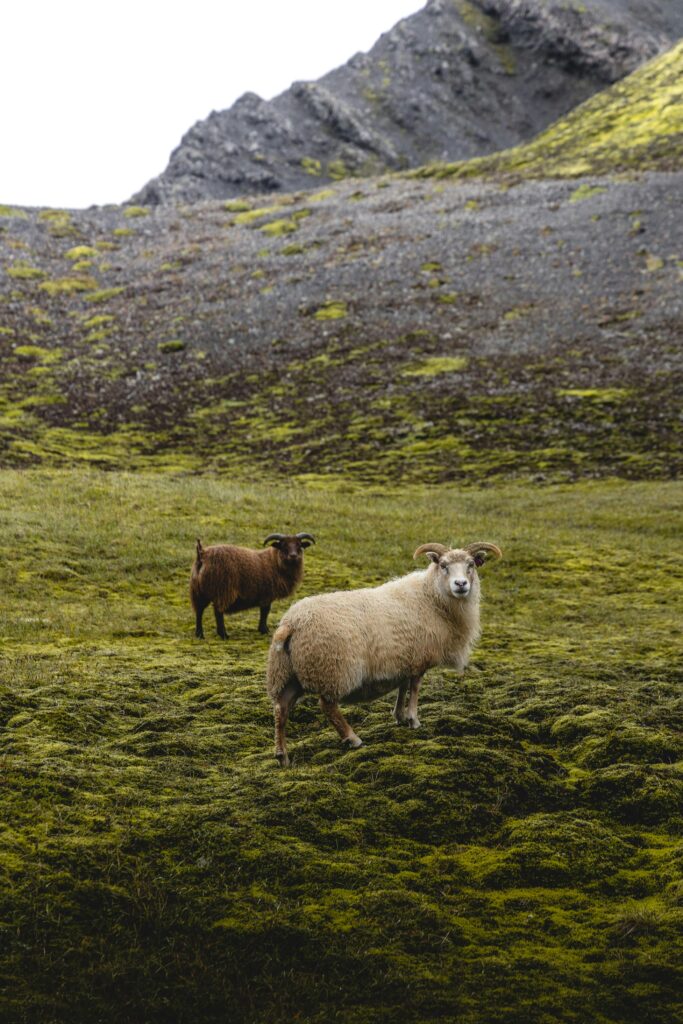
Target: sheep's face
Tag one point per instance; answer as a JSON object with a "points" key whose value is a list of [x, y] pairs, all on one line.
{"points": [[290, 548], [456, 572]]}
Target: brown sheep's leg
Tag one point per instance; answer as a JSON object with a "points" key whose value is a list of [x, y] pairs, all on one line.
{"points": [[220, 623], [199, 629], [400, 705], [263, 620], [284, 703], [411, 718], [348, 736]]}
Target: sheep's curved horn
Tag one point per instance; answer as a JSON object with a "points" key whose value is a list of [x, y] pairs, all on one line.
{"points": [[424, 549], [306, 536], [273, 536], [483, 545]]}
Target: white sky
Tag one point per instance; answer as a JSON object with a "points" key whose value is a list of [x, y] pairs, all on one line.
{"points": [[96, 95]]}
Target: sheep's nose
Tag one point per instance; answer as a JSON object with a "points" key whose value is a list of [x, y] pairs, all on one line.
{"points": [[460, 584]]}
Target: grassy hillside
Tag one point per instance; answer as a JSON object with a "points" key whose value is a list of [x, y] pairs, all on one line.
{"points": [[518, 858], [636, 125]]}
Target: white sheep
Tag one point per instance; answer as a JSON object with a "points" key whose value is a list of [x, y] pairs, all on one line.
{"points": [[357, 645]]}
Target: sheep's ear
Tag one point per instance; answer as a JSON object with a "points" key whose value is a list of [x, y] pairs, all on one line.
{"points": [[433, 557], [481, 549]]}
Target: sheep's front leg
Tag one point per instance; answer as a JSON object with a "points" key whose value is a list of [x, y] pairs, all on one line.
{"points": [[348, 736], [284, 703], [220, 623], [198, 628], [400, 705], [263, 620], [411, 717]]}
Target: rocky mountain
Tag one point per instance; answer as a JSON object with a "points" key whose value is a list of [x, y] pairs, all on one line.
{"points": [[460, 78]]}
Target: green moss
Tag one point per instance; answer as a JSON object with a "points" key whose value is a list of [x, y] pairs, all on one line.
{"points": [[136, 211], [320, 197], [123, 232], [653, 263], [13, 212], [60, 223], [68, 285], [99, 320], [586, 191], [293, 249], [25, 272], [103, 295], [37, 352], [337, 170], [80, 252], [237, 205], [250, 216], [276, 228], [311, 166], [174, 345], [437, 365], [333, 309], [595, 394]]}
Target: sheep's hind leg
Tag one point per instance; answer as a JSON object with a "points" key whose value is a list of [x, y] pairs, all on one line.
{"points": [[284, 703], [411, 717], [348, 736], [220, 623], [263, 620], [400, 705]]}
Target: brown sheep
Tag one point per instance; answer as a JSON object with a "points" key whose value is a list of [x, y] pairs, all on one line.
{"points": [[234, 578]]}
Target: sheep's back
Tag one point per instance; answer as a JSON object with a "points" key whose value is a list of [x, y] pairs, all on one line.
{"points": [[343, 641]]}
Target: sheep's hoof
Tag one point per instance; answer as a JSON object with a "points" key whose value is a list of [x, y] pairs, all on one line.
{"points": [[352, 743], [282, 760], [400, 721], [414, 723], [264, 632]]}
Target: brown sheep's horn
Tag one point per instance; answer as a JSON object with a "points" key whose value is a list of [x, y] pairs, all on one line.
{"points": [[424, 549], [483, 545], [306, 536], [273, 536]]}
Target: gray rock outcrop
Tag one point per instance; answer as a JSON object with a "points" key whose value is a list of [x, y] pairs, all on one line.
{"points": [[459, 79]]}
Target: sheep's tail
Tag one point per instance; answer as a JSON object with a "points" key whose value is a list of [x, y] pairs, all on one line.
{"points": [[279, 671], [195, 586]]}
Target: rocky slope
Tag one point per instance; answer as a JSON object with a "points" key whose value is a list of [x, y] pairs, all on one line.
{"points": [[458, 79], [497, 327]]}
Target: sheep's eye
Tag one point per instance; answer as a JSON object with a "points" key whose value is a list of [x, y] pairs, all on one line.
{"points": [[444, 566], [470, 565]]}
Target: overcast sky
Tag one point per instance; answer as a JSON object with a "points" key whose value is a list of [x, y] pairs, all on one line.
{"points": [[95, 96]]}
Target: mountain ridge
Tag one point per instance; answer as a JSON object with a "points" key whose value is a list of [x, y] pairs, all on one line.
{"points": [[456, 80]]}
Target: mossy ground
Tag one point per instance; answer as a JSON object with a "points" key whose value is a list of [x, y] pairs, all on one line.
{"points": [[517, 859]]}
